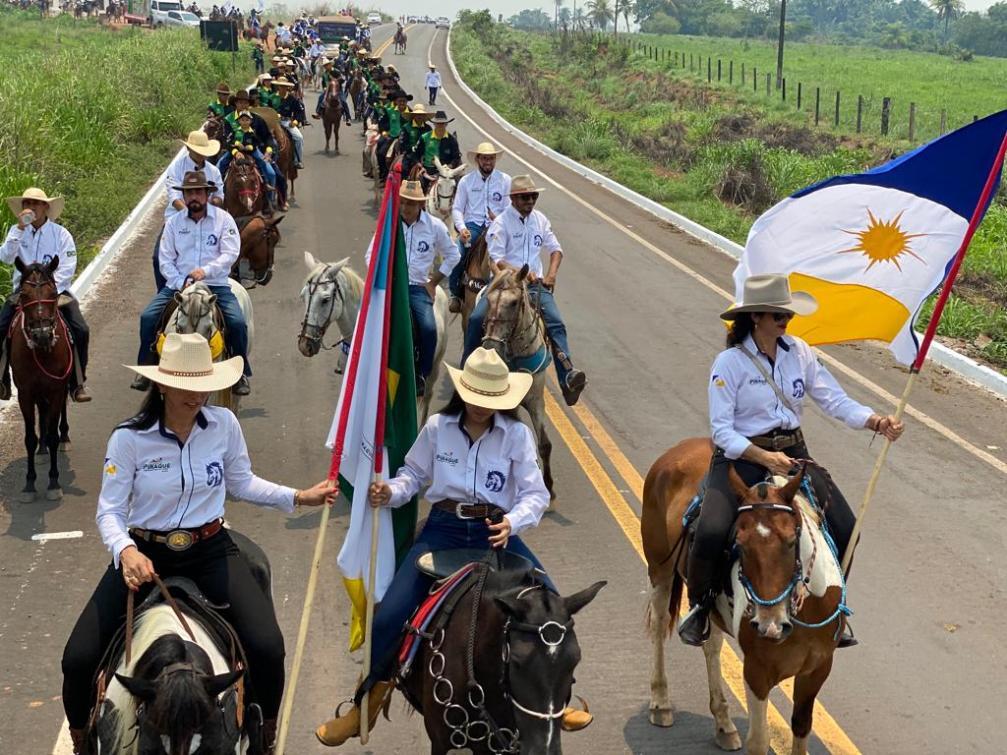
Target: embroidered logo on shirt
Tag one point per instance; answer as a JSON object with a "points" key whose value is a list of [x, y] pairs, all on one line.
{"points": [[447, 458], [155, 465], [422, 247], [211, 240], [757, 381], [497, 196], [214, 474], [110, 469], [537, 240], [719, 381], [799, 388], [495, 481]]}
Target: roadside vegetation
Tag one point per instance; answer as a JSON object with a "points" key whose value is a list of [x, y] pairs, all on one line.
{"points": [[93, 114], [707, 152]]}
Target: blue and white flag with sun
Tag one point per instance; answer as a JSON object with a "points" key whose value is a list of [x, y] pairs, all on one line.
{"points": [[872, 246]]}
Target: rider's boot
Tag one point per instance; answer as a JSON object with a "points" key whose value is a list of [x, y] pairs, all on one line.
{"points": [[341, 728], [694, 628], [846, 639], [574, 719], [77, 740], [140, 383], [79, 394], [455, 305], [269, 735], [573, 386], [241, 388]]}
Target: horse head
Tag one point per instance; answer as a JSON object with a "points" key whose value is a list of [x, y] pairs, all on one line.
{"points": [[259, 237], [325, 301], [511, 321], [176, 692], [540, 654], [195, 311], [768, 536], [243, 180], [37, 301]]}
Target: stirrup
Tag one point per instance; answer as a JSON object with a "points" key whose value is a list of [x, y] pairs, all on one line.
{"points": [[694, 629]]}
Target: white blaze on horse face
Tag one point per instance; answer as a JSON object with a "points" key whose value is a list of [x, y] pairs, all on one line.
{"points": [[763, 530]]}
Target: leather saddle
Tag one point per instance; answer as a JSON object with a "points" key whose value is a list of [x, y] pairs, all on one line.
{"points": [[443, 564]]}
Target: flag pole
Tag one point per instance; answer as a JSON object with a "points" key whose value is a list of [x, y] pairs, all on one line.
{"points": [[379, 443], [350, 380], [928, 337]]}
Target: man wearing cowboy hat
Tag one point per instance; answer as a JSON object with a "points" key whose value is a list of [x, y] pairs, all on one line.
{"points": [[199, 245], [413, 128], [198, 147], [329, 75], [437, 143], [517, 238], [480, 197], [292, 115], [36, 237], [390, 120], [221, 107], [433, 83], [268, 97], [425, 238]]}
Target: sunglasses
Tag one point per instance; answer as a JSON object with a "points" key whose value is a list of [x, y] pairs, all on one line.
{"points": [[528, 197], [783, 316]]}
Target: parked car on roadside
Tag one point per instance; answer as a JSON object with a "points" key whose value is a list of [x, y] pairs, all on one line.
{"points": [[443, 22], [181, 18], [373, 18]]}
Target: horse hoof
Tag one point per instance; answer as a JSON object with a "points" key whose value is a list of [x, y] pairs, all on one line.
{"points": [[663, 717], [248, 285], [27, 496], [729, 740], [64, 445], [54, 494], [41, 451], [264, 281]]}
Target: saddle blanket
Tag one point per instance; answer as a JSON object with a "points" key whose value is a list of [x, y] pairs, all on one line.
{"points": [[418, 625]]}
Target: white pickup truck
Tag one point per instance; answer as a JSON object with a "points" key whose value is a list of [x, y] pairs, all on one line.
{"points": [[157, 14]]}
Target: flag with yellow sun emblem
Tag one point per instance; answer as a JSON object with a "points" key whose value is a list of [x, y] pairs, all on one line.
{"points": [[872, 246]]}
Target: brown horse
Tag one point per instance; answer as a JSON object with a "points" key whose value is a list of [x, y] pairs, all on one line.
{"points": [[400, 41], [41, 360], [259, 237], [283, 160], [476, 277], [332, 113], [262, 35], [787, 583], [244, 189], [356, 89]]}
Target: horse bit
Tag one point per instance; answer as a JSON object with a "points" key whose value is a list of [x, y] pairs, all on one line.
{"points": [[533, 328], [317, 332]]}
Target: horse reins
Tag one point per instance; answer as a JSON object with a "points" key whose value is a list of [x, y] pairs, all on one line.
{"points": [[493, 316], [315, 283], [56, 321], [131, 599]]}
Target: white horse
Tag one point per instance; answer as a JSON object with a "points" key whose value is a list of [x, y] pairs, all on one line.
{"points": [[197, 313], [332, 293], [442, 194]]}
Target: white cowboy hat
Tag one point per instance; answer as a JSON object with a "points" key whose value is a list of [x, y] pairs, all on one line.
{"points": [[523, 185], [186, 363], [486, 382], [283, 82], [55, 203], [486, 148], [265, 77], [201, 144], [412, 190], [771, 293], [419, 109]]}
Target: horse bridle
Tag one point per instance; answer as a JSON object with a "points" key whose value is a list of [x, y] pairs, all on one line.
{"points": [[248, 169], [511, 336], [442, 198], [56, 322], [318, 331], [798, 574]]}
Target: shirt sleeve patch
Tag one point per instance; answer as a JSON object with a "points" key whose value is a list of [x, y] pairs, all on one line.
{"points": [[719, 382]]}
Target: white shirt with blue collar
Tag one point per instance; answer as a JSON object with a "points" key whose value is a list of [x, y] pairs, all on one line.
{"points": [[153, 481], [500, 468], [744, 405], [211, 243], [424, 240], [42, 245], [518, 241]]}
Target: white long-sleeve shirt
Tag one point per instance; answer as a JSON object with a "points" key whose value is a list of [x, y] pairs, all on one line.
{"points": [[152, 481], [181, 165], [519, 241], [480, 199], [41, 245], [424, 240], [500, 468], [212, 243], [743, 404], [433, 80]]}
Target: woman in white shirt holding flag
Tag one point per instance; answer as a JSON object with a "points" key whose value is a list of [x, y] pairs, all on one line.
{"points": [[757, 389]]}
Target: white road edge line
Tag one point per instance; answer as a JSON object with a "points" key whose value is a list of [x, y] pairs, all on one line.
{"points": [[933, 424], [44, 537]]}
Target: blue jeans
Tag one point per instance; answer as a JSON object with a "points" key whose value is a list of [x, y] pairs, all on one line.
{"points": [[457, 275], [550, 315], [266, 169], [234, 321], [443, 531], [421, 306]]}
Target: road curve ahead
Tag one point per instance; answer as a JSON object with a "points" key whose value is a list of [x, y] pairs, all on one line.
{"points": [[928, 674]]}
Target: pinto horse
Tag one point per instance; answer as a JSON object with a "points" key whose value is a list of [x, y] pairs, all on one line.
{"points": [[244, 188], [332, 113], [507, 690], [787, 582], [259, 237], [41, 361]]}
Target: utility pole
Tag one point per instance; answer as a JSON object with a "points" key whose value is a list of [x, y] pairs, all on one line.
{"points": [[779, 48]]}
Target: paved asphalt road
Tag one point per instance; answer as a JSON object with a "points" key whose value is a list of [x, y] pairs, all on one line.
{"points": [[928, 676]]}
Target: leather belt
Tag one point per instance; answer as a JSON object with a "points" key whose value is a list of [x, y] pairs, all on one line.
{"points": [[464, 510], [778, 440], [181, 539]]}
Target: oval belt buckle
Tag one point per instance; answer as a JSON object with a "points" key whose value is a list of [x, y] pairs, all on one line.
{"points": [[179, 540]]}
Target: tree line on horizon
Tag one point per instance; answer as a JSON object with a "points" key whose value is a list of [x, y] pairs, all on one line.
{"points": [[941, 26]]}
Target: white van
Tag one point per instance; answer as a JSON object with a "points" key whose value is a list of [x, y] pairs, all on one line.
{"points": [[159, 10]]}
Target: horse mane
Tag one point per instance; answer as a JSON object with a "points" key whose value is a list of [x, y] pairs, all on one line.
{"points": [[812, 513], [183, 703], [354, 283], [501, 280]]}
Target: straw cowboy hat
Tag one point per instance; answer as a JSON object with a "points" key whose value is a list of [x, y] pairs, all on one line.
{"points": [[419, 109], [771, 293], [412, 190], [283, 81], [223, 88], [441, 117], [201, 144], [485, 381], [186, 363], [486, 148], [265, 77], [523, 185], [195, 179], [55, 203]]}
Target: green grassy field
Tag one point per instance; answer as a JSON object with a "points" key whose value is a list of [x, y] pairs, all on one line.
{"points": [[710, 153], [93, 114], [963, 89]]}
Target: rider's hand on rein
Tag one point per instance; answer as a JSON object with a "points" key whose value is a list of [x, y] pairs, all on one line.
{"points": [[136, 568]]}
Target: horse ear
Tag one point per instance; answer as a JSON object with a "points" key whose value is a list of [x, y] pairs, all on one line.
{"points": [[178, 297], [275, 220], [522, 273], [309, 260], [214, 685], [788, 491], [737, 484], [212, 300], [142, 689], [53, 264], [337, 266], [19, 264], [580, 599]]}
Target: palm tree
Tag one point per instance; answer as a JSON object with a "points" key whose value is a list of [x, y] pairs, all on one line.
{"points": [[947, 10], [600, 13]]}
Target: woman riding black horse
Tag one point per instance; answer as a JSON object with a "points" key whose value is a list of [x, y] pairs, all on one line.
{"points": [[167, 473]]}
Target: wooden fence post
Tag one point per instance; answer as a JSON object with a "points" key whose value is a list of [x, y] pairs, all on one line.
{"points": [[798, 95], [860, 111], [912, 121], [690, 62], [742, 74], [755, 79], [944, 121], [837, 108], [784, 83], [886, 112], [719, 68], [818, 101], [709, 69], [767, 84], [676, 58], [730, 72]]}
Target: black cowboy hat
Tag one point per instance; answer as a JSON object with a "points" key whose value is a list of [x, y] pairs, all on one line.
{"points": [[242, 94], [195, 179], [400, 94], [440, 117]]}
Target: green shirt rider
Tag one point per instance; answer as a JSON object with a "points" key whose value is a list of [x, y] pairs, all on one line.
{"points": [[222, 106]]}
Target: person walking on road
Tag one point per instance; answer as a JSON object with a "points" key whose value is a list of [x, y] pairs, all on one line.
{"points": [[433, 84]]}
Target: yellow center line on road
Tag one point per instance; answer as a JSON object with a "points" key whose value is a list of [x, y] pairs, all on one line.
{"points": [[832, 361]]}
